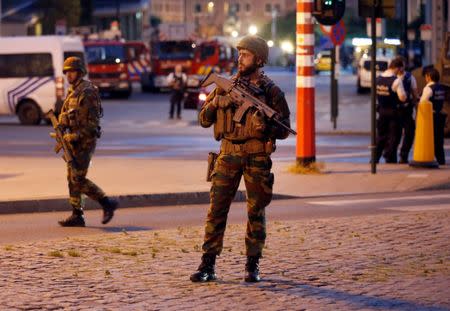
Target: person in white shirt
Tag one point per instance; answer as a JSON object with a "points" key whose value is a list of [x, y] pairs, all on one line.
{"points": [[405, 113], [177, 80], [435, 93], [390, 94]]}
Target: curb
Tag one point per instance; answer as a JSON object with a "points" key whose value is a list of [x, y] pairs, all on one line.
{"points": [[125, 201]]}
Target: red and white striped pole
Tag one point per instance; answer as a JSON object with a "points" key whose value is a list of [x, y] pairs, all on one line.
{"points": [[306, 140]]}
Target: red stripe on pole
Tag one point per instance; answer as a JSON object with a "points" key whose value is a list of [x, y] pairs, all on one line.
{"points": [[305, 71], [305, 7], [305, 28], [305, 50]]}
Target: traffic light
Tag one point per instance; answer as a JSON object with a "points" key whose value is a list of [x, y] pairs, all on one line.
{"points": [[328, 12]]}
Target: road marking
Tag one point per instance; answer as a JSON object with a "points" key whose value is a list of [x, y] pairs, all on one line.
{"points": [[417, 176], [356, 201], [438, 207]]}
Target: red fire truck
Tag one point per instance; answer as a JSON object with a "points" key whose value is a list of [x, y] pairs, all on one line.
{"points": [[197, 59], [108, 67], [209, 55]]}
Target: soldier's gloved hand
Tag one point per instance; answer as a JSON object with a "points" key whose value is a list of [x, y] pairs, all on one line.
{"points": [[70, 137], [223, 102]]}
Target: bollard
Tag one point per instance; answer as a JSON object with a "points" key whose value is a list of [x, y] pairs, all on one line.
{"points": [[423, 155]]}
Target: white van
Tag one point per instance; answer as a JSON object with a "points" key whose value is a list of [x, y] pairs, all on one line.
{"points": [[31, 77], [364, 74]]}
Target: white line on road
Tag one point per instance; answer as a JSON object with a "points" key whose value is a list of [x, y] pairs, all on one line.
{"points": [[437, 207], [357, 201]]}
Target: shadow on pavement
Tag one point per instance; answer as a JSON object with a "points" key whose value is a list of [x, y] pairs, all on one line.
{"points": [[122, 229], [291, 287]]}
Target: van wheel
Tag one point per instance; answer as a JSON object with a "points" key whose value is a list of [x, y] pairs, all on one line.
{"points": [[29, 113]]}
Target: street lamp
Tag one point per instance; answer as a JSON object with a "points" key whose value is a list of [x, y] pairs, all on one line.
{"points": [[210, 6], [234, 34], [270, 43], [253, 30]]}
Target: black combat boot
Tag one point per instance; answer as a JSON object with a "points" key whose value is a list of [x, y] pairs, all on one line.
{"points": [[74, 220], [252, 269], [205, 271], [109, 206]]}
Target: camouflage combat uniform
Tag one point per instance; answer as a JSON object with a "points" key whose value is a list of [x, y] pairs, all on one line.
{"points": [[81, 113], [79, 120], [245, 151]]}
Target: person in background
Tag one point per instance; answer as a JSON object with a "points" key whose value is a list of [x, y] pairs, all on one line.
{"points": [[177, 81], [435, 93], [390, 94], [405, 113]]}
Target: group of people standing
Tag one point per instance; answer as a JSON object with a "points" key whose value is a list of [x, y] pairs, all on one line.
{"points": [[398, 96]]}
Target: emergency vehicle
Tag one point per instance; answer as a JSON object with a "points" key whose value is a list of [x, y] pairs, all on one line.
{"points": [[108, 66], [31, 77], [214, 55], [164, 56], [138, 56]]}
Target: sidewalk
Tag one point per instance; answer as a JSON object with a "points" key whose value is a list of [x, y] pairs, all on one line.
{"points": [[39, 184]]}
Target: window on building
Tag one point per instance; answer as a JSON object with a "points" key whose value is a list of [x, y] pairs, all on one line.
{"points": [[26, 65], [277, 8], [198, 8], [248, 7], [234, 7], [268, 8]]}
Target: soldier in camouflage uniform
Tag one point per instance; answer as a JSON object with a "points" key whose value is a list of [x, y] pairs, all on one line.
{"points": [[79, 118], [245, 151]]}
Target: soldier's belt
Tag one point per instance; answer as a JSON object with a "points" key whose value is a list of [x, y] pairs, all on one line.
{"points": [[250, 146]]}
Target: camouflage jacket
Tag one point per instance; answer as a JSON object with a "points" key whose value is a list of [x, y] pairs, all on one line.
{"points": [[271, 95], [81, 111]]}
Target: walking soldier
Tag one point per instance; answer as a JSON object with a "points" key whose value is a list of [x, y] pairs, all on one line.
{"points": [[79, 122]]}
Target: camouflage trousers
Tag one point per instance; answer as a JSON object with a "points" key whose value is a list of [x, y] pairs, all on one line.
{"points": [[76, 176], [228, 170]]}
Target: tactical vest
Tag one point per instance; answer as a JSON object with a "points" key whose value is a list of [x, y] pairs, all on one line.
{"points": [[438, 97], [387, 98], [407, 86], [72, 104], [253, 124], [179, 84]]}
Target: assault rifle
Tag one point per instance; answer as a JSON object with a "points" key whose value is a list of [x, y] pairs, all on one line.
{"points": [[244, 99], [58, 135]]}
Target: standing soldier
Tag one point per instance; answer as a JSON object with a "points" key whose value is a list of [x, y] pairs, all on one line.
{"points": [[177, 80], [435, 93], [245, 151], [79, 119], [390, 94], [405, 113]]}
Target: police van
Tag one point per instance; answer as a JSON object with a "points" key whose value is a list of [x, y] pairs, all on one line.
{"points": [[31, 77]]}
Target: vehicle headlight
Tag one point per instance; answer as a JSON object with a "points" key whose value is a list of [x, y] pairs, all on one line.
{"points": [[202, 96]]}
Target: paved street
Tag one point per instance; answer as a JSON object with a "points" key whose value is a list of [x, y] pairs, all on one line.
{"points": [[364, 255], [139, 127]]}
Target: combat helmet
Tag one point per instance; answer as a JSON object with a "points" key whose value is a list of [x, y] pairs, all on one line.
{"points": [[256, 45], [74, 63]]}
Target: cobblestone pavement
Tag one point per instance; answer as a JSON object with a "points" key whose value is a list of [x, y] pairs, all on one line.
{"points": [[395, 261]]}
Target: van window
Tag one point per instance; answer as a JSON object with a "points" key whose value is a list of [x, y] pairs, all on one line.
{"points": [[73, 53], [26, 65], [380, 65]]}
